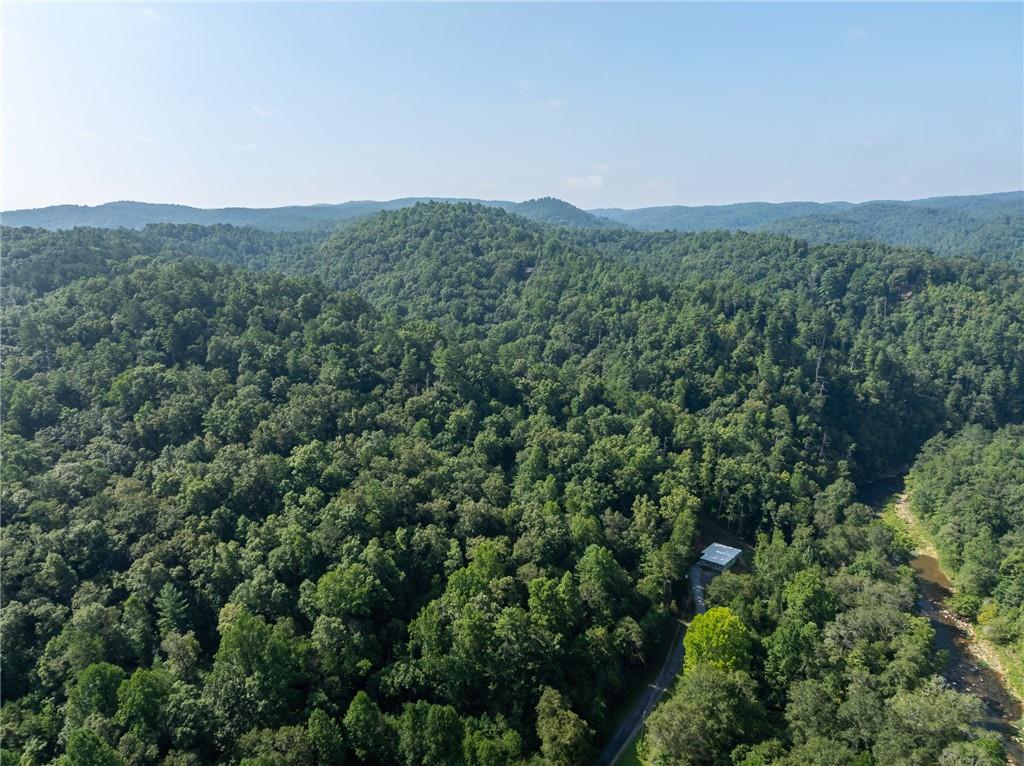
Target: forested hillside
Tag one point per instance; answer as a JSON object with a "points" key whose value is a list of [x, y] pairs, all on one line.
{"points": [[560, 213], [995, 231], [36, 261], [986, 225], [425, 491]]}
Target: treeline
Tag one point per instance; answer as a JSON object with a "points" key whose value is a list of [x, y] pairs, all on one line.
{"points": [[968, 489], [433, 502]]}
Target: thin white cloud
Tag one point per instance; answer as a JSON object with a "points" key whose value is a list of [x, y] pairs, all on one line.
{"points": [[82, 133], [142, 139], [259, 110], [149, 15], [553, 103], [585, 183], [601, 167], [245, 147], [856, 33], [524, 84]]}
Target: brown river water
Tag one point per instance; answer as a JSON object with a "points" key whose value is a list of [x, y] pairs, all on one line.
{"points": [[963, 671]]}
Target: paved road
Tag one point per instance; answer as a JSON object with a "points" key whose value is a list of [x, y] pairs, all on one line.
{"points": [[634, 720], [699, 578]]}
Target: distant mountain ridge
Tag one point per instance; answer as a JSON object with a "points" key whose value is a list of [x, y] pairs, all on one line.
{"points": [[745, 215], [985, 225], [136, 215], [741, 215]]}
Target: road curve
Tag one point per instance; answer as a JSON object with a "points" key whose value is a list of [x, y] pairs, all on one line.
{"points": [[634, 720], [637, 715]]}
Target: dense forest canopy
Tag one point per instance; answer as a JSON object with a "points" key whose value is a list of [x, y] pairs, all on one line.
{"points": [[424, 491]]}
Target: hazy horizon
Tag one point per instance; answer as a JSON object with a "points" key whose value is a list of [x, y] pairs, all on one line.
{"points": [[603, 105], [442, 198]]}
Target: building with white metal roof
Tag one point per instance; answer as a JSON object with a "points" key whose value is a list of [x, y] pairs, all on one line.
{"points": [[719, 557]]}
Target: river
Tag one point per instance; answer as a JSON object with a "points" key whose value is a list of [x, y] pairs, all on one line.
{"points": [[963, 671]]}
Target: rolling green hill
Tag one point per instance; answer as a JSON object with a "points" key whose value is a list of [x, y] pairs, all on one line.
{"points": [[135, 215]]}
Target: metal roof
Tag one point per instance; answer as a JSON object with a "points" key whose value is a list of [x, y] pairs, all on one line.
{"points": [[720, 555]]}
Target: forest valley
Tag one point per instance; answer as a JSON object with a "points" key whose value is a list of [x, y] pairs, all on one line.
{"points": [[425, 490]]}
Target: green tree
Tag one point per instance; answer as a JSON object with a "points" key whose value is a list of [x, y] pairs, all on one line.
{"points": [[285, 745], [137, 625], [95, 693], [326, 737], [171, 609], [350, 592], [603, 584], [792, 651], [490, 742], [141, 699], [565, 738], [718, 638], [710, 712], [920, 724], [808, 597], [86, 748], [986, 751], [371, 737], [257, 673], [819, 751], [429, 734]]}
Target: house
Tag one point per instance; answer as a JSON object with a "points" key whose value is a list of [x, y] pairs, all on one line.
{"points": [[719, 558]]}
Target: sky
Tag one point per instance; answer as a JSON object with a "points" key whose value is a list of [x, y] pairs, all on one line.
{"points": [[623, 105]]}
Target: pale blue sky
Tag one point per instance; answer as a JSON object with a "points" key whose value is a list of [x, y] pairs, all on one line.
{"points": [[600, 104]]}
